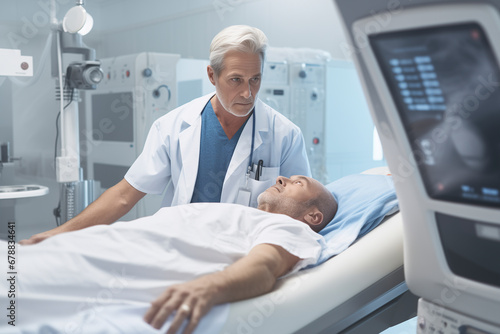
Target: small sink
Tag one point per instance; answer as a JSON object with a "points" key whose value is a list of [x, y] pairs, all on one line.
{"points": [[22, 191]]}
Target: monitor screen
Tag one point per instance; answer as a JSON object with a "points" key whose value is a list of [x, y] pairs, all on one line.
{"points": [[445, 83], [112, 117]]}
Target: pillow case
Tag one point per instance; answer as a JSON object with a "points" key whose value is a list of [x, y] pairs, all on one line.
{"points": [[363, 202]]}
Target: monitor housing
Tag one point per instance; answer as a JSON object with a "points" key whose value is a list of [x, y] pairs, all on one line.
{"points": [[432, 77]]}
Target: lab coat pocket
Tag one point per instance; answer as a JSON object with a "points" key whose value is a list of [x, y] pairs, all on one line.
{"points": [[267, 179]]}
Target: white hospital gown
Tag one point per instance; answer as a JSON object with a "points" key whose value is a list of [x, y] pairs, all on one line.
{"points": [[103, 278]]}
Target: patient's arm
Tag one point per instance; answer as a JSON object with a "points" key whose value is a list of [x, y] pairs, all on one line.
{"points": [[110, 206], [253, 275]]}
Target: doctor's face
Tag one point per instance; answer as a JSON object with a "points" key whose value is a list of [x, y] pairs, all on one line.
{"points": [[238, 83]]}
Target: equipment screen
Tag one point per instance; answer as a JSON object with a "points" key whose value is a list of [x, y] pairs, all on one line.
{"points": [[112, 117], [445, 83]]}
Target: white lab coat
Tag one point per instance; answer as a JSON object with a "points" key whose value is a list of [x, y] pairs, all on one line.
{"points": [[171, 154]]}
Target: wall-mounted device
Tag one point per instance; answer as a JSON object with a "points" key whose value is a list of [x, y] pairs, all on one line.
{"points": [[275, 87], [84, 75], [76, 193], [293, 83], [13, 64], [135, 91]]}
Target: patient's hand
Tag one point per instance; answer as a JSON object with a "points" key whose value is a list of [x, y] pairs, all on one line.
{"points": [[36, 238], [250, 276], [191, 301]]}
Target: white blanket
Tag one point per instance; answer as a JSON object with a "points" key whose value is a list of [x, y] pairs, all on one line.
{"points": [[102, 279]]}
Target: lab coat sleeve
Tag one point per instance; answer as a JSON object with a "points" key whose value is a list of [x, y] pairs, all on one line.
{"points": [[151, 171]]}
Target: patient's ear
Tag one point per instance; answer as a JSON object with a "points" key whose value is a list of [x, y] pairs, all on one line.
{"points": [[314, 218]]}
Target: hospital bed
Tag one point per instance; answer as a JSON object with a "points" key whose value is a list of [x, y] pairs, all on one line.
{"points": [[361, 290]]}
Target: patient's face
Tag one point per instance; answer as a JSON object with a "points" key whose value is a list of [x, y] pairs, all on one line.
{"points": [[289, 195]]}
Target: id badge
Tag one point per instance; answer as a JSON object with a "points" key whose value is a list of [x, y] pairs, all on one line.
{"points": [[244, 194]]}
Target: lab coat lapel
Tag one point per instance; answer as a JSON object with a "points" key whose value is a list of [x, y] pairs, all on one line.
{"points": [[189, 143], [241, 153]]}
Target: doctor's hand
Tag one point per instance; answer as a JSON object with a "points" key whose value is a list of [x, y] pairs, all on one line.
{"points": [[188, 301], [36, 238]]}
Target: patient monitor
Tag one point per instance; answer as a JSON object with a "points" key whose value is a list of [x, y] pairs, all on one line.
{"points": [[431, 73]]}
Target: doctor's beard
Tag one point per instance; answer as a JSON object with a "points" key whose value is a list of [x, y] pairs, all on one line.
{"points": [[223, 103]]}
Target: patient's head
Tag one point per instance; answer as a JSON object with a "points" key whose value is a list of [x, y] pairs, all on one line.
{"points": [[302, 198]]}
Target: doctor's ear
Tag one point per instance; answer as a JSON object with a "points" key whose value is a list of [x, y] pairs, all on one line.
{"points": [[211, 74]]}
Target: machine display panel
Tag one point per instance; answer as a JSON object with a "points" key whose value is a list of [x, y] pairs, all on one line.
{"points": [[445, 83], [112, 117]]}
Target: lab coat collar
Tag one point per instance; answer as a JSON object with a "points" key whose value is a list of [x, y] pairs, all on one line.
{"points": [[189, 142], [191, 114], [262, 124]]}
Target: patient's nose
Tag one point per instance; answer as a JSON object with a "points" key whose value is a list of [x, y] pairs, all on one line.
{"points": [[282, 180]]}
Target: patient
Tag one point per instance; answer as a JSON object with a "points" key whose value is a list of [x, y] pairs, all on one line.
{"points": [[206, 254]]}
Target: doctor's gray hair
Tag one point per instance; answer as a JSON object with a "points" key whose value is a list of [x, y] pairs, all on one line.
{"points": [[240, 38]]}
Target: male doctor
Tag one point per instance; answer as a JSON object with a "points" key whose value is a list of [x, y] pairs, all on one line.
{"points": [[223, 147]]}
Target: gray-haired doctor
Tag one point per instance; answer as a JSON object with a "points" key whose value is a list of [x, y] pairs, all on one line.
{"points": [[223, 147]]}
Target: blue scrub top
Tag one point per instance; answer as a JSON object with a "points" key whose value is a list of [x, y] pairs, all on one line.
{"points": [[216, 151]]}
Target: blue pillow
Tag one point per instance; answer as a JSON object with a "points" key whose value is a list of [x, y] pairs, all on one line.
{"points": [[364, 200]]}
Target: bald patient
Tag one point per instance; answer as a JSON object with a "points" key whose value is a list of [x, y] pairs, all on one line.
{"points": [[299, 197], [302, 198], [220, 252]]}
